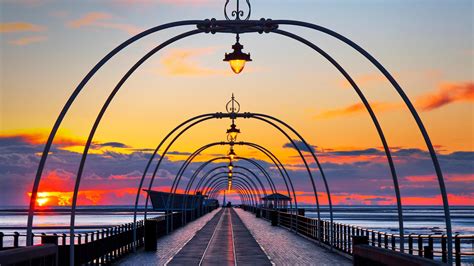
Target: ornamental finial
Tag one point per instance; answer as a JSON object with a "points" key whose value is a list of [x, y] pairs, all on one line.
{"points": [[237, 13]]}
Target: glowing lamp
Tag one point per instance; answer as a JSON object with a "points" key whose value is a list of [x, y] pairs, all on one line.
{"points": [[232, 133], [231, 154], [237, 58], [231, 166], [230, 174]]}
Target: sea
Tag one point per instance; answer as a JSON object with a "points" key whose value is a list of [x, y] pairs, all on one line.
{"points": [[417, 219]]}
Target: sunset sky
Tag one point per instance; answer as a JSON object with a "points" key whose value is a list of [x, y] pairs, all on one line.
{"points": [[48, 46]]}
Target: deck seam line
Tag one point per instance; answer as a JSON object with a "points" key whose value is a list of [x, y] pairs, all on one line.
{"points": [[233, 240], [264, 251], [187, 241], [210, 240]]}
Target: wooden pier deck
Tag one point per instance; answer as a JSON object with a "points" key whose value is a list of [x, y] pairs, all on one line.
{"points": [[224, 240]]}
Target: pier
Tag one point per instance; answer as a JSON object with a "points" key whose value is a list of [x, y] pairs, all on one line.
{"points": [[222, 199]]}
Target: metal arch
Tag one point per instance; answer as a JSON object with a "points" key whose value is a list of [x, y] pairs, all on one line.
{"points": [[216, 189], [184, 166], [137, 198], [216, 192], [374, 121], [191, 180], [410, 106], [239, 175], [176, 180], [248, 26], [269, 179], [251, 186], [273, 158], [240, 190], [246, 188], [308, 170], [221, 167], [70, 101], [211, 177], [240, 181], [192, 156], [256, 164], [97, 122], [163, 156]]}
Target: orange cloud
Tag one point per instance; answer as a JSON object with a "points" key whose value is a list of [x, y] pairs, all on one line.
{"points": [[101, 20], [20, 27], [363, 80], [447, 93], [89, 19], [28, 40], [40, 138], [182, 62], [357, 108]]}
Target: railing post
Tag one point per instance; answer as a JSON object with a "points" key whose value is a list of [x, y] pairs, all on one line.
{"points": [[420, 246], [394, 242], [359, 240], [457, 249], [16, 235], [428, 252], [444, 257], [410, 244], [274, 217], [48, 239], [150, 235], [1, 240]]}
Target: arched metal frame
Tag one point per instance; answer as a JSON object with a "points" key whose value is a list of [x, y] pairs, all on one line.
{"points": [[261, 148], [249, 189], [264, 119], [224, 26], [243, 195], [248, 181], [242, 191], [238, 174]]}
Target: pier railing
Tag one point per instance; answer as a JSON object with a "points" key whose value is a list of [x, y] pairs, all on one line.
{"points": [[100, 247], [339, 236]]}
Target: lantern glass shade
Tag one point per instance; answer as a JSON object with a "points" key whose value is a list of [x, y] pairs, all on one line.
{"points": [[237, 58], [231, 154], [237, 65], [230, 174], [231, 166], [232, 133]]}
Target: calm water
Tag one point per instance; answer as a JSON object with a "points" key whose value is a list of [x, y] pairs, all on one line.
{"points": [[417, 219]]}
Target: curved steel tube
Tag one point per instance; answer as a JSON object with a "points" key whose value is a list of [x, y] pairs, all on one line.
{"points": [[245, 188], [140, 185], [97, 122], [413, 112], [216, 190], [221, 167], [186, 192], [70, 101], [374, 121], [313, 184], [242, 182], [283, 22], [222, 186]]}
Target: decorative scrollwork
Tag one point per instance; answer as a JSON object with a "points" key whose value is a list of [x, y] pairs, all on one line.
{"points": [[232, 106], [237, 13]]}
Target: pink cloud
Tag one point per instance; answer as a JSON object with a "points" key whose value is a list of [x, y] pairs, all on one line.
{"points": [[184, 62], [447, 93], [102, 20], [28, 40], [357, 108], [9, 27]]}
